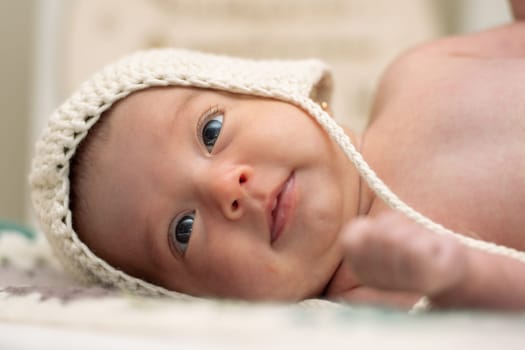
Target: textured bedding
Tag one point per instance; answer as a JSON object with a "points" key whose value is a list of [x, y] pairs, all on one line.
{"points": [[41, 307]]}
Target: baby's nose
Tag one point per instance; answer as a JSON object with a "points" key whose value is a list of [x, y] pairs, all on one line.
{"points": [[227, 189]]}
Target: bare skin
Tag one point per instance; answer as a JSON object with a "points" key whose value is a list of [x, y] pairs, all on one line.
{"points": [[448, 136]]}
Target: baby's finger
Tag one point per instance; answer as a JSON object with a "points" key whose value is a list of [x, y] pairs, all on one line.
{"points": [[393, 253], [365, 245]]}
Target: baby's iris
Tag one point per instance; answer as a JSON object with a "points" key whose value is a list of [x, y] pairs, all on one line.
{"points": [[211, 131], [180, 236]]}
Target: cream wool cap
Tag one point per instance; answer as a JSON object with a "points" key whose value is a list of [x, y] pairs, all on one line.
{"points": [[292, 81]]}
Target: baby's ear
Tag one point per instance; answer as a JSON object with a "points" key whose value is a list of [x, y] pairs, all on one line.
{"points": [[322, 89]]}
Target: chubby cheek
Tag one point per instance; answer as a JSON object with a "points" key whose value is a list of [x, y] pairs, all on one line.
{"points": [[297, 133], [320, 211]]}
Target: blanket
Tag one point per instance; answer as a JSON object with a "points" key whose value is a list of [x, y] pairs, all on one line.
{"points": [[42, 307]]}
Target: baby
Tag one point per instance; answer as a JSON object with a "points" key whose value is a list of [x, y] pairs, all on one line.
{"points": [[180, 173]]}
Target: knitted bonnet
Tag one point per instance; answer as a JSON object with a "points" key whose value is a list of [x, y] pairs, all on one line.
{"points": [[290, 81]]}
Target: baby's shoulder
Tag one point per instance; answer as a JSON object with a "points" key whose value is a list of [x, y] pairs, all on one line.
{"points": [[501, 42], [407, 72], [428, 60]]}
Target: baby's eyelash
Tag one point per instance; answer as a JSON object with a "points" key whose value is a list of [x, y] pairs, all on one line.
{"points": [[209, 113]]}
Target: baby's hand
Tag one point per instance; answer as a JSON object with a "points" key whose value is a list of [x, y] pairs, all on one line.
{"points": [[392, 252]]}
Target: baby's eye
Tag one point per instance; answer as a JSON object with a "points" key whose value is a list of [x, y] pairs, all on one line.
{"points": [[211, 130], [180, 233]]}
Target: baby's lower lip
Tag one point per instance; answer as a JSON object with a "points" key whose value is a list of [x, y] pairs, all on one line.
{"points": [[285, 206]]}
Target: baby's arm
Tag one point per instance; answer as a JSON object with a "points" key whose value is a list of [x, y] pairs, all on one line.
{"points": [[392, 253]]}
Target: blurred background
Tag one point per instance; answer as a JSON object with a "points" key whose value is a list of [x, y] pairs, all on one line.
{"points": [[50, 46]]}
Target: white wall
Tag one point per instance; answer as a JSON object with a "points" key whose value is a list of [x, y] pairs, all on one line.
{"points": [[482, 14], [16, 25], [33, 66]]}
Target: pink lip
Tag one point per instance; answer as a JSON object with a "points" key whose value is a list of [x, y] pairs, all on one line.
{"points": [[279, 215]]}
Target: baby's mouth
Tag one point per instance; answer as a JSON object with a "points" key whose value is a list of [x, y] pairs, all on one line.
{"points": [[281, 209]]}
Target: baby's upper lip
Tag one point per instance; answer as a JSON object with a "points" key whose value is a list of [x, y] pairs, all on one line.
{"points": [[272, 203]]}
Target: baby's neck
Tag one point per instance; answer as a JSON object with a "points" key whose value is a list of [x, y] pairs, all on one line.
{"points": [[359, 204], [364, 195]]}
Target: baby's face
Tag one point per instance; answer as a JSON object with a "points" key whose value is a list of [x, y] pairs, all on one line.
{"points": [[217, 194]]}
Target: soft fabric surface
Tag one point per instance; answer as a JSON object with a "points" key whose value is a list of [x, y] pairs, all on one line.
{"points": [[41, 307]]}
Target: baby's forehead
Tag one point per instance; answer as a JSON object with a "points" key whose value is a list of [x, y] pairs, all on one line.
{"points": [[142, 106], [145, 104]]}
